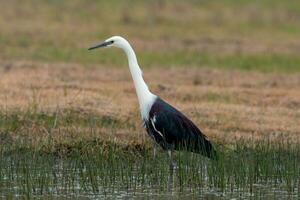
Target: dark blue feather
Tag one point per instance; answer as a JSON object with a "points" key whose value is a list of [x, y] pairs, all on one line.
{"points": [[173, 130]]}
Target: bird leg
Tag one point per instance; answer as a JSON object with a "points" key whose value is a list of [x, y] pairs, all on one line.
{"points": [[173, 164], [170, 154], [154, 150]]}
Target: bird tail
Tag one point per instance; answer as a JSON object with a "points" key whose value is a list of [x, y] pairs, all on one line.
{"points": [[213, 154], [206, 148]]}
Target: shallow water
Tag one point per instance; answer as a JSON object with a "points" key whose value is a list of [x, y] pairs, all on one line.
{"points": [[97, 177]]}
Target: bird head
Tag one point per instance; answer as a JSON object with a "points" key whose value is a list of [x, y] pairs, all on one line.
{"points": [[115, 41]]}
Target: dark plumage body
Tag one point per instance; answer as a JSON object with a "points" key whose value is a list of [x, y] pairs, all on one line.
{"points": [[173, 131]]}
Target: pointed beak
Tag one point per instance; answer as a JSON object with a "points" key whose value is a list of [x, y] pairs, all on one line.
{"points": [[104, 44]]}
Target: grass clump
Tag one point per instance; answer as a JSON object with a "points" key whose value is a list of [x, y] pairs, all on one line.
{"points": [[108, 170]]}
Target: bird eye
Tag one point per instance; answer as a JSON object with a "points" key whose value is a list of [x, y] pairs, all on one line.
{"points": [[112, 41]]}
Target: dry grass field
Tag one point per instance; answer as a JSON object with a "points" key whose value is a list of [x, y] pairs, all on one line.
{"points": [[73, 103], [233, 67]]}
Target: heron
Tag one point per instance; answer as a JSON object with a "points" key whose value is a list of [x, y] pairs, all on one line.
{"points": [[168, 127]]}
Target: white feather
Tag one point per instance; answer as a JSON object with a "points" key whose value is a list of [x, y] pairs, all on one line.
{"points": [[153, 120], [145, 97]]}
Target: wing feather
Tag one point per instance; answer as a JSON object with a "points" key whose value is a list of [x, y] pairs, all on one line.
{"points": [[177, 130]]}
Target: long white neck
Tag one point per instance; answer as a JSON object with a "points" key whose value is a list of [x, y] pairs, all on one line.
{"points": [[145, 97]]}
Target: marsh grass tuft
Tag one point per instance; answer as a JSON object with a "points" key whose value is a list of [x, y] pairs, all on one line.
{"points": [[259, 169], [81, 159]]}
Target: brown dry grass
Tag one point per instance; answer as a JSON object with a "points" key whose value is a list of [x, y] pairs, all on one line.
{"points": [[227, 105]]}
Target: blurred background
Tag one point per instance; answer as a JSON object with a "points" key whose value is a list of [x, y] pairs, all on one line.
{"points": [[261, 34], [231, 66]]}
